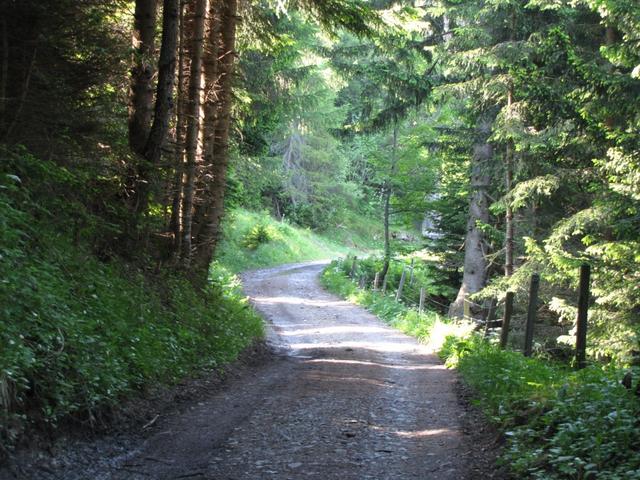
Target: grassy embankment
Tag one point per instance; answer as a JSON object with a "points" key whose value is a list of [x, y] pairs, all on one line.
{"points": [[81, 328], [256, 240], [558, 423]]}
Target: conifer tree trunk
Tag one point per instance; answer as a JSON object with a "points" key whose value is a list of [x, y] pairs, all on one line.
{"points": [[610, 38], [166, 78], [509, 241], [192, 144], [4, 72], [163, 105], [23, 96], [175, 225], [210, 108], [388, 191], [219, 153], [475, 274], [141, 86], [509, 223]]}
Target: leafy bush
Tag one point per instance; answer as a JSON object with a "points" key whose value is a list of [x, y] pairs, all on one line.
{"points": [[257, 236], [559, 424]]}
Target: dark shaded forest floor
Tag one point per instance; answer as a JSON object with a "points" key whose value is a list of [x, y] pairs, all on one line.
{"points": [[337, 394]]}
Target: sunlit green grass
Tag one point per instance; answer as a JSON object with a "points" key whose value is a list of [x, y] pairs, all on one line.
{"points": [[286, 244]]}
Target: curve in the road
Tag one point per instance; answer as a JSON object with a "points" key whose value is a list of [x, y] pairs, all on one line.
{"points": [[350, 399]]}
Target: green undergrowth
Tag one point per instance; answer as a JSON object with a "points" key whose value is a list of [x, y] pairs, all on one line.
{"points": [[255, 239], [78, 333], [558, 423], [422, 270]]}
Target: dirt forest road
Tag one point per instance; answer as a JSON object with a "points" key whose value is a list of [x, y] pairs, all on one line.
{"points": [[364, 401], [347, 398]]}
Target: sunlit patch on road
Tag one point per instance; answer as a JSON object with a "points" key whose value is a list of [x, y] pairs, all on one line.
{"points": [[436, 366]]}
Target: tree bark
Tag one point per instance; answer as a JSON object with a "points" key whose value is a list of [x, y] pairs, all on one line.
{"points": [[610, 38], [388, 191], [192, 144], [23, 96], [166, 78], [175, 225], [163, 106], [475, 274], [509, 223], [141, 86], [211, 104], [219, 154], [4, 75], [509, 240]]}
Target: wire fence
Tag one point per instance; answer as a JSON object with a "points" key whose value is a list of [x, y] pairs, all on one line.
{"points": [[484, 315]]}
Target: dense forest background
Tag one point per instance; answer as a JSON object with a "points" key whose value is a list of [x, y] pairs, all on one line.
{"points": [[489, 139]]}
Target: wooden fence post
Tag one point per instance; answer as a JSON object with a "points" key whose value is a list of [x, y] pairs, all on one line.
{"points": [[363, 281], [531, 314], [466, 308], [411, 276], [488, 319], [506, 320], [376, 281], [422, 296], [353, 267], [583, 310], [401, 285]]}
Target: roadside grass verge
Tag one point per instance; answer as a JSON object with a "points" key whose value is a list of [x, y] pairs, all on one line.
{"points": [[557, 423]]}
